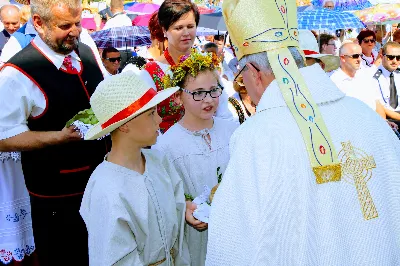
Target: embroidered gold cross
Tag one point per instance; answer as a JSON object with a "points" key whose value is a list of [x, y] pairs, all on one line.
{"points": [[357, 169]]}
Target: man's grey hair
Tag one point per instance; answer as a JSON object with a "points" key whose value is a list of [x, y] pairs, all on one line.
{"points": [[261, 60], [43, 7]]}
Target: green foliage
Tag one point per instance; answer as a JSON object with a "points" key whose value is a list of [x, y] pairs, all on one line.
{"points": [[86, 116]]}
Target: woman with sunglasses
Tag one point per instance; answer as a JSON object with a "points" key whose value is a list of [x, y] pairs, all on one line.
{"points": [[367, 41], [198, 145]]}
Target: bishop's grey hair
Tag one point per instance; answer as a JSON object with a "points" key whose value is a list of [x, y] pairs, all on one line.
{"points": [[43, 7], [262, 62]]}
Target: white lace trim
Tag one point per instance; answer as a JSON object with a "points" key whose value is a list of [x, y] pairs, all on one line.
{"points": [[84, 128], [14, 155], [7, 255]]}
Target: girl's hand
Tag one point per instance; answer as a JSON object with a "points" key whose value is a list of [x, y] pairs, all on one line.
{"points": [[198, 225]]}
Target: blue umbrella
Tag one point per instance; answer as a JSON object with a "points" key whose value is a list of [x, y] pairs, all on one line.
{"points": [[344, 5], [325, 19], [122, 37]]}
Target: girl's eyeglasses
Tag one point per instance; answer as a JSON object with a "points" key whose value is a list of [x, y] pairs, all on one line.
{"points": [[200, 95]]}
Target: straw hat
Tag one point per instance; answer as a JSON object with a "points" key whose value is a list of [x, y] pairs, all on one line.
{"points": [[119, 99], [309, 45]]}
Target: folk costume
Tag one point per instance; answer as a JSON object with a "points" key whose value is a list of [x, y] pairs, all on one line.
{"points": [[40, 91], [132, 218], [304, 185], [196, 155]]}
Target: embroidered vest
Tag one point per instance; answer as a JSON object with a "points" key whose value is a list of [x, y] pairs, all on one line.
{"points": [[60, 170]]}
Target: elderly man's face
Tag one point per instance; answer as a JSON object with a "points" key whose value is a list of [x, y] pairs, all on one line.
{"points": [[329, 5], [11, 19], [61, 32]]}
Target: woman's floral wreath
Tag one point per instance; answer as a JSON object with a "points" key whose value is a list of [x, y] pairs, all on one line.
{"points": [[190, 64]]}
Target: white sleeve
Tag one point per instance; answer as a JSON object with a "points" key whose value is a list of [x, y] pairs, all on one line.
{"points": [[16, 102], [10, 49], [86, 39]]}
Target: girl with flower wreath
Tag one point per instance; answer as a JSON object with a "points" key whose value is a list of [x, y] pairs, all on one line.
{"points": [[178, 20], [198, 144]]}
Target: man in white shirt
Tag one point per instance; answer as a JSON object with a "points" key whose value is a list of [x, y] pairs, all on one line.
{"points": [[41, 88], [119, 18], [351, 80], [387, 79]]}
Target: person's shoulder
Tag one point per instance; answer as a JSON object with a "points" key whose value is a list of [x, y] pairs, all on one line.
{"points": [[172, 135], [225, 124]]}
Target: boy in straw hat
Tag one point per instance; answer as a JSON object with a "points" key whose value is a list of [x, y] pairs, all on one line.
{"points": [[133, 204], [304, 185]]}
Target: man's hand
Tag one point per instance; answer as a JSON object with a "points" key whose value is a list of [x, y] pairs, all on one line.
{"points": [[198, 225], [68, 134]]}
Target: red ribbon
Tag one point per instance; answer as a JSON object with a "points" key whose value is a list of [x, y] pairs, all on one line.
{"points": [[309, 52], [131, 109]]}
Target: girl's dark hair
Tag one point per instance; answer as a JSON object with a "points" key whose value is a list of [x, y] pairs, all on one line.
{"points": [[172, 10], [137, 61]]}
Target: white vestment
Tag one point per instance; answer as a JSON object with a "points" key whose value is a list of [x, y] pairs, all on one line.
{"points": [[269, 210], [135, 219], [196, 162]]}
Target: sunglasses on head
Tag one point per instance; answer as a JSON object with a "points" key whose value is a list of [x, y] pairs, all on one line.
{"points": [[369, 40], [391, 57], [114, 59], [354, 56], [240, 72]]}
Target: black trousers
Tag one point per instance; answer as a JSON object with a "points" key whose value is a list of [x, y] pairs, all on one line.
{"points": [[59, 231]]}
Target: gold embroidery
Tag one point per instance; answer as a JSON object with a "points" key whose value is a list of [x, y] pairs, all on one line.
{"points": [[357, 170], [328, 173]]}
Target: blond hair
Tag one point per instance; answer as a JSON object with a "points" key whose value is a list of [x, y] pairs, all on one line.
{"points": [[25, 12]]}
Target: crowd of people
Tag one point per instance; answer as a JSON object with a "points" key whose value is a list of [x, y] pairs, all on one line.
{"points": [[256, 147]]}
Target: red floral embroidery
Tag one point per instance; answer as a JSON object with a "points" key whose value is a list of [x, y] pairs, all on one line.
{"points": [[169, 110]]}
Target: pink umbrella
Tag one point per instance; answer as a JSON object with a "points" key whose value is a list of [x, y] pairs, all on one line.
{"points": [[88, 23], [146, 8], [142, 20]]}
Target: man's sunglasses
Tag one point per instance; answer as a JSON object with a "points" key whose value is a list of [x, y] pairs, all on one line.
{"points": [[391, 57], [240, 72], [354, 56], [369, 40], [113, 59]]}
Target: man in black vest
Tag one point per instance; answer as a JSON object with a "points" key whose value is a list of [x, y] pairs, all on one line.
{"points": [[10, 17], [41, 88]]}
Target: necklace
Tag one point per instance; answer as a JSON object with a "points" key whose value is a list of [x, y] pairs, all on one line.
{"points": [[168, 57], [245, 108]]}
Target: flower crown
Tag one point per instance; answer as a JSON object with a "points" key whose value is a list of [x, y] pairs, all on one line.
{"points": [[190, 64]]}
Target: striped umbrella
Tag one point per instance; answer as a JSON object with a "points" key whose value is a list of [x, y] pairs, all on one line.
{"points": [[381, 13], [122, 37], [325, 19]]}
